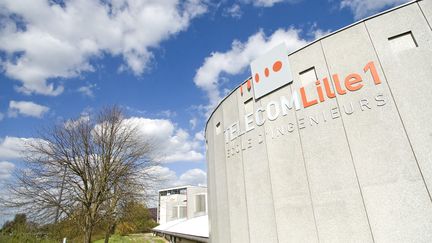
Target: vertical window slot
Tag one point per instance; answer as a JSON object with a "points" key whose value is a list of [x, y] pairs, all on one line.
{"points": [[308, 76], [402, 42]]}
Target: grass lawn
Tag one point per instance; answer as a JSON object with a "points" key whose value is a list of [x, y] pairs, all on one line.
{"points": [[142, 238]]}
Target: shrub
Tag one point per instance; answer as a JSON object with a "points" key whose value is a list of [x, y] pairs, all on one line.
{"points": [[126, 228]]}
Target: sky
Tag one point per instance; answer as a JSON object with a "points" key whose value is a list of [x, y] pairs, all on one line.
{"points": [[166, 63]]}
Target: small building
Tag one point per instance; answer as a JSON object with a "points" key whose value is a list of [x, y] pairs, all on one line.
{"points": [[181, 202], [182, 214]]}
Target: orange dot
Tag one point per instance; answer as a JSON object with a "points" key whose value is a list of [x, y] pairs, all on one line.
{"points": [[256, 78], [248, 84], [241, 89], [277, 66], [266, 72]]}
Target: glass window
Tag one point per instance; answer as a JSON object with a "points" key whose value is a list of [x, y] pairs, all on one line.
{"points": [[174, 212], [200, 204], [183, 211]]}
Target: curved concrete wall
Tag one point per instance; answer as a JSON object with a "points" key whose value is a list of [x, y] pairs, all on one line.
{"points": [[353, 168]]}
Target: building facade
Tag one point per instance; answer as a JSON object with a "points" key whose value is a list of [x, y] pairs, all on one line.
{"points": [[182, 214], [343, 153], [181, 203]]}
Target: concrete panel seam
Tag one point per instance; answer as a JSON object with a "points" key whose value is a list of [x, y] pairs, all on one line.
{"points": [[349, 147], [244, 185], [244, 182], [307, 174], [245, 196], [271, 184], [398, 112], [424, 15], [226, 183]]}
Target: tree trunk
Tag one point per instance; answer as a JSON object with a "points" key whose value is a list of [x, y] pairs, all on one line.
{"points": [[88, 235], [109, 232], [88, 230]]}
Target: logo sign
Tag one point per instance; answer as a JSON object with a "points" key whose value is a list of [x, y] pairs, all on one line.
{"points": [[326, 88], [271, 71]]}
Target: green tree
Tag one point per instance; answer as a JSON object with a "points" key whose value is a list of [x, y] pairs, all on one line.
{"points": [[135, 218], [17, 225]]}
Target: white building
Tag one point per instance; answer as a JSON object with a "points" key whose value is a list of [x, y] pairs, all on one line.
{"points": [[181, 202], [182, 214], [340, 149]]}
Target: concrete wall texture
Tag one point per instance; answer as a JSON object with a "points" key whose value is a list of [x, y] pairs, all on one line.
{"points": [[353, 168]]}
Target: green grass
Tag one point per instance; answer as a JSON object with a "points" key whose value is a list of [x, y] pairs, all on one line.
{"points": [[23, 238], [146, 238]]}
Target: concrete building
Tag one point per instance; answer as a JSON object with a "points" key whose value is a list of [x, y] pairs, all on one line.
{"points": [[182, 214], [342, 152], [185, 230], [181, 202]]}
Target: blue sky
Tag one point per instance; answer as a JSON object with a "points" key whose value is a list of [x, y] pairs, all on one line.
{"points": [[165, 62]]}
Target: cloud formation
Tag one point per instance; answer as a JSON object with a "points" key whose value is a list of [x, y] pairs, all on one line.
{"points": [[26, 108], [234, 11], [237, 59], [267, 3], [168, 177], [44, 40], [364, 8], [6, 169], [87, 90], [172, 143], [13, 147], [194, 177]]}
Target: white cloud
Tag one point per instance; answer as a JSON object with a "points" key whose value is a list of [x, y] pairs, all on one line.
{"points": [[1, 116], [26, 108], [194, 177], [163, 175], [237, 59], [87, 90], [193, 122], [364, 8], [169, 178], [45, 40], [6, 169], [200, 136], [234, 11], [267, 3], [173, 143], [318, 33], [315, 32], [167, 113], [13, 147]]}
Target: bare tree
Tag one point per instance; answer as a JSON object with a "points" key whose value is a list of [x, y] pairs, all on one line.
{"points": [[82, 169], [125, 191]]}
